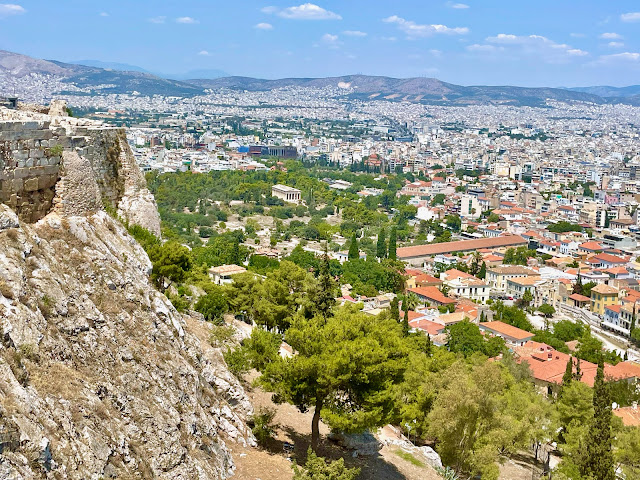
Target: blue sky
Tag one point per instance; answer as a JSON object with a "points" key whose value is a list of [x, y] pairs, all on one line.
{"points": [[497, 42]]}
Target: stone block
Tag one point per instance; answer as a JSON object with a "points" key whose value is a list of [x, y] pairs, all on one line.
{"points": [[31, 184]]}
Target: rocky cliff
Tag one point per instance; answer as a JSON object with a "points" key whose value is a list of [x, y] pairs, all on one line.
{"points": [[100, 377]]}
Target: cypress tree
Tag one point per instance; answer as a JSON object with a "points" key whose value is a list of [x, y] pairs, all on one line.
{"points": [[578, 375], [568, 373], [405, 322], [483, 271], [598, 461], [395, 309], [354, 252], [325, 297], [428, 346], [392, 244], [381, 247]]}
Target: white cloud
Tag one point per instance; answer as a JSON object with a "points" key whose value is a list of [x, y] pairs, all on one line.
{"points": [[630, 17], [331, 41], [204, 53], [625, 57], [306, 11], [8, 9], [615, 44], [577, 35], [436, 53], [610, 36], [534, 45], [355, 33], [415, 30], [476, 47], [389, 39], [158, 20], [104, 14], [187, 20], [264, 26], [458, 6]]}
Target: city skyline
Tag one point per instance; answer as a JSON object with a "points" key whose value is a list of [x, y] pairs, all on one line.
{"points": [[492, 42]]}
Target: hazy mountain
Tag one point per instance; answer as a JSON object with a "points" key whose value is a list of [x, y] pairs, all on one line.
{"points": [[125, 67], [424, 90], [607, 91], [201, 73], [431, 91], [14, 65]]}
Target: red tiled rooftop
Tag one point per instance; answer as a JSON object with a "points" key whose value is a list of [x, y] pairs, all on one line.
{"points": [[507, 330], [460, 245]]}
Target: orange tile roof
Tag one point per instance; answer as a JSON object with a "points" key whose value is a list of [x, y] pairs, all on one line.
{"points": [[460, 246], [432, 293], [579, 298], [630, 416], [507, 330], [432, 328]]}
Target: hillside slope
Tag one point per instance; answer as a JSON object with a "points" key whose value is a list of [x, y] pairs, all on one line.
{"points": [[99, 376]]}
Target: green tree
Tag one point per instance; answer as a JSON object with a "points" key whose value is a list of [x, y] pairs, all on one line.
{"points": [[518, 256], [493, 218], [527, 298], [547, 310], [317, 468], [438, 199], [381, 246], [354, 252], [482, 274], [405, 323], [213, 305], [453, 222], [464, 337], [476, 264], [344, 368], [325, 295], [393, 239], [598, 461], [394, 309], [171, 261]]}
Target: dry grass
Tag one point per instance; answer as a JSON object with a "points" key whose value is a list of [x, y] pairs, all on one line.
{"points": [[59, 380]]}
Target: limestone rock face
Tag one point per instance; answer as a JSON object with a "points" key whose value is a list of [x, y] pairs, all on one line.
{"points": [[100, 377]]}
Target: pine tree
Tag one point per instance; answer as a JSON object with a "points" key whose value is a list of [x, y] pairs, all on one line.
{"points": [[381, 247], [483, 271], [428, 345], [405, 322], [483, 317], [354, 251], [392, 244], [598, 461]]}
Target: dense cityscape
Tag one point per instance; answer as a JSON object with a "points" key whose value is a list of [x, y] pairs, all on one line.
{"points": [[286, 274]]}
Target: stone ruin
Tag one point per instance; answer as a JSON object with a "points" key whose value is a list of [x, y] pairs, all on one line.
{"points": [[73, 166]]}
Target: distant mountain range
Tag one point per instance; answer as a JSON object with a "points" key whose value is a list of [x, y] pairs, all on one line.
{"points": [[105, 77]]}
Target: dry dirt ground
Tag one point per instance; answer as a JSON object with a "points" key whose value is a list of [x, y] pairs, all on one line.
{"points": [[271, 463]]}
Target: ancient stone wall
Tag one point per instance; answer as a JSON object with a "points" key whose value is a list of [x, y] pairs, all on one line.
{"points": [[34, 151], [30, 161]]}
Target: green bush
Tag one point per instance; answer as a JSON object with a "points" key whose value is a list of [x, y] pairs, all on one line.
{"points": [[262, 425]]}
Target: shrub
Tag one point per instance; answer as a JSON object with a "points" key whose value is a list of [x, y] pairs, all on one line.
{"points": [[262, 425]]}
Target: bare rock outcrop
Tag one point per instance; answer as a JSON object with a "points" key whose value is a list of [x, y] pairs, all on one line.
{"points": [[99, 375]]}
